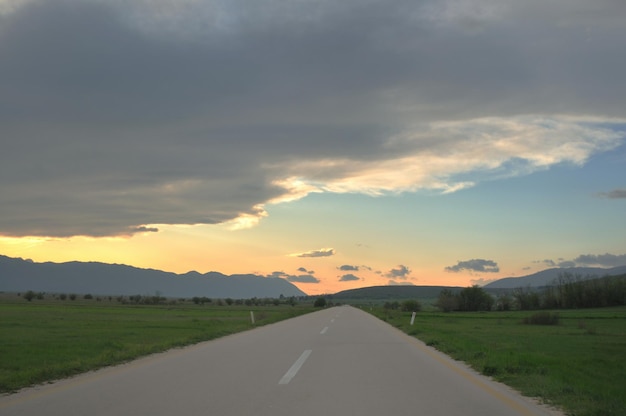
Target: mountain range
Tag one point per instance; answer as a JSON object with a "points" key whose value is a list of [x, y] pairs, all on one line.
{"points": [[18, 275]]}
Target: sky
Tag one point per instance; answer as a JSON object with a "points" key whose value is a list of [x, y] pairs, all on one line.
{"points": [[335, 144]]}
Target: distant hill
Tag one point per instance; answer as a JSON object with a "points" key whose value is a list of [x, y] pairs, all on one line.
{"points": [[549, 276], [393, 292], [18, 275]]}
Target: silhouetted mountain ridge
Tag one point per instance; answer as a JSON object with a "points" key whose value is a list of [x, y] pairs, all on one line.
{"points": [[18, 275]]}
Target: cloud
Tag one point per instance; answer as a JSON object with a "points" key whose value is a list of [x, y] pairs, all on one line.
{"points": [[323, 252], [395, 283], [347, 267], [482, 282], [400, 272], [591, 260], [601, 260], [475, 265], [614, 194], [303, 278], [303, 270], [349, 278], [209, 112], [145, 230]]}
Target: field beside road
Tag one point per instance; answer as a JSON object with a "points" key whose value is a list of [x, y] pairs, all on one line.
{"points": [[45, 340], [576, 363]]}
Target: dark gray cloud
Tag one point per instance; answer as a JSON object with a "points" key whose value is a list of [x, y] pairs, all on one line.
{"points": [[347, 268], [400, 272], [615, 194], [590, 260], [304, 270], [475, 265], [482, 282], [403, 283], [546, 262], [303, 278], [116, 116], [323, 252], [602, 260], [349, 278]]}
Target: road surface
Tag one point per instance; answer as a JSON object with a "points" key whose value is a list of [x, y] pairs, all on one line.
{"points": [[338, 361]]}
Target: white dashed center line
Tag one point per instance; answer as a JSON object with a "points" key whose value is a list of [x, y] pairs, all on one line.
{"points": [[291, 373]]}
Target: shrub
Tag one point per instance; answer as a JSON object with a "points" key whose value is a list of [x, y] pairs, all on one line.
{"points": [[542, 318], [411, 306], [391, 305]]}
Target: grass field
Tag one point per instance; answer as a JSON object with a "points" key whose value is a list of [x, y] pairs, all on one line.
{"points": [[47, 340], [578, 365]]}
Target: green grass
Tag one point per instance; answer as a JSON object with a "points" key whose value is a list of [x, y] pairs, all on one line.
{"points": [[42, 341], [578, 365]]}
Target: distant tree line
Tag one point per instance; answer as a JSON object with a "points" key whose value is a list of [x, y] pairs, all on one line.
{"points": [[408, 305], [573, 292], [568, 292], [473, 298], [157, 299]]}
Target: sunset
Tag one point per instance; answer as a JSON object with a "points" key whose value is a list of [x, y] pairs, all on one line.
{"points": [[336, 145]]}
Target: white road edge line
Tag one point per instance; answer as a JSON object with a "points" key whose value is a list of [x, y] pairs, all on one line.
{"points": [[323, 331], [291, 373]]}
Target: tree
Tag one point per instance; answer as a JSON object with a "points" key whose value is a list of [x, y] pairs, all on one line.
{"points": [[29, 296], [526, 299], [447, 301], [475, 298], [320, 302], [504, 302]]}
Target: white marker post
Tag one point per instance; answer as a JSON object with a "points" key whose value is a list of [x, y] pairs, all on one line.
{"points": [[412, 318], [252, 317]]}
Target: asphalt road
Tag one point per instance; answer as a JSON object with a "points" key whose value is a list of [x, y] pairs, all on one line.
{"points": [[338, 361]]}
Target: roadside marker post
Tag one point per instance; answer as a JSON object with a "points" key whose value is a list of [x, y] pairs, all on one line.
{"points": [[412, 318], [252, 317]]}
